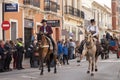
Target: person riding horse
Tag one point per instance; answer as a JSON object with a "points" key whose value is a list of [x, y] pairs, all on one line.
{"points": [[93, 29], [47, 30]]}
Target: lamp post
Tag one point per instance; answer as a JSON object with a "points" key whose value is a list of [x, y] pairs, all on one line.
{"points": [[3, 7]]}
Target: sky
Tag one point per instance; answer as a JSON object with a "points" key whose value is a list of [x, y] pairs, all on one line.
{"points": [[106, 2]]}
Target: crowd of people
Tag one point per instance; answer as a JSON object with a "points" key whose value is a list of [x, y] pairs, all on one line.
{"points": [[11, 50]]}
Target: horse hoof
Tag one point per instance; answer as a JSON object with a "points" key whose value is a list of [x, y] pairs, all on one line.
{"points": [[55, 72], [88, 72], [41, 73], [48, 70], [96, 70], [92, 74]]}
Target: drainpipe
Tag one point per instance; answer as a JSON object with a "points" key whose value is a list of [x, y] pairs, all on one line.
{"points": [[3, 7]]}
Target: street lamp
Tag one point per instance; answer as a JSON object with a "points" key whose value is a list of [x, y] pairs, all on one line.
{"points": [[3, 7]]}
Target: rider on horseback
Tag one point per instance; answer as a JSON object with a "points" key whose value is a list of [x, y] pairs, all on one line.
{"points": [[47, 30], [93, 29]]}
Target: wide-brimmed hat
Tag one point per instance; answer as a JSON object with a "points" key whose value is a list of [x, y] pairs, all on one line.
{"points": [[43, 21]]}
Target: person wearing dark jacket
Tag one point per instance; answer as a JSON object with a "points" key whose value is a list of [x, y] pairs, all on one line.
{"points": [[47, 30], [2, 56], [108, 36], [20, 51], [8, 57], [14, 53]]}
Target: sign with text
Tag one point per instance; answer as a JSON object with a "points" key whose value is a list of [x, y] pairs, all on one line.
{"points": [[28, 23], [11, 7], [53, 23]]}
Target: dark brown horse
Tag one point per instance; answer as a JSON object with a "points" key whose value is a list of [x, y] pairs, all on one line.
{"points": [[45, 53]]}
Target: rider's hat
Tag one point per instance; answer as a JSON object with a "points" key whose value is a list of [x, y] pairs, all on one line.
{"points": [[43, 21], [92, 20]]}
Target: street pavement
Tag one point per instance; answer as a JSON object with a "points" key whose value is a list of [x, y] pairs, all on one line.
{"points": [[107, 70]]}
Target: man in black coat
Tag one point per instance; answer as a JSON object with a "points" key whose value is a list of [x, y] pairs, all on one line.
{"points": [[8, 57], [20, 51], [1, 56], [108, 36]]}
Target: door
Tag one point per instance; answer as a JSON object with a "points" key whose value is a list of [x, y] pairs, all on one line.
{"points": [[27, 36], [13, 31]]}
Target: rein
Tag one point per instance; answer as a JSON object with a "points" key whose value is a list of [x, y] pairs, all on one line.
{"points": [[90, 46]]}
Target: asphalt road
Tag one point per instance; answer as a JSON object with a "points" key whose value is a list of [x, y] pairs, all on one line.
{"points": [[107, 70]]}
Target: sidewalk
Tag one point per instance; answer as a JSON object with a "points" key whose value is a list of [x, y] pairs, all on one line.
{"points": [[26, 63]]}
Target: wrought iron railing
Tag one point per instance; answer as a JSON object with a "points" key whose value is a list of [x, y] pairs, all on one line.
{"points": [[35, 3], [74, 11]]}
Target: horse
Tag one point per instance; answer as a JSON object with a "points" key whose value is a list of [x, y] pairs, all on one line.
{"points": [[105, 49], [90, 51], [45, 53]]}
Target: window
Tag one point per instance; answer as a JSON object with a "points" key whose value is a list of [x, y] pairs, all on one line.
{"points": [[35, 3]]}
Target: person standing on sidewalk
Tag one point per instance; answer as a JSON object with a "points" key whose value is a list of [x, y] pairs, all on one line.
{"points": [[8, 55], [2, 56], [65, 53], [14, 53], [60, 51], [20, 51], [72, 46]]}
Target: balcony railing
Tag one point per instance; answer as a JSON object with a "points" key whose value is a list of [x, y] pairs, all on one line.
{"points": [[74, 11], [50, 6], [35, 3]]}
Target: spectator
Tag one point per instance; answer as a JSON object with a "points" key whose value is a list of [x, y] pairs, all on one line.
{"points": [[2, 56], [8, 57], [60, 52], [108, 36], [20, 51], [71, 49], [65, 53], [14, 53]]}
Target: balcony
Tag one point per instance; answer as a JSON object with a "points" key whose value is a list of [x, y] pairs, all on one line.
{"points": [[51, 6], [74, 12], [35, 3]]}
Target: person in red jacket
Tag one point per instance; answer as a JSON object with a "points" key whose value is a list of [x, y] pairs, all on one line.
{"points": [[47, 30]]}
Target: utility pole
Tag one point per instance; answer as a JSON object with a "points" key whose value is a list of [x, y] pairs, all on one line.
{"points": [[3, 8]]}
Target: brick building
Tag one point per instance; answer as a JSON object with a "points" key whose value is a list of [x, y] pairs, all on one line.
{"points": [[115, 14], [27, 20]]}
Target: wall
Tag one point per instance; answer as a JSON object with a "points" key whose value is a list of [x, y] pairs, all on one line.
{"points": [[0, 20]]}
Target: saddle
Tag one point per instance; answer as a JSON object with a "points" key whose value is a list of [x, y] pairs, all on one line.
{"points": [[50, 43]]}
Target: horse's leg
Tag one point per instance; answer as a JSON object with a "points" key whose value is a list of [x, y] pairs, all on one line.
{"points": [[89, 65], [93, 65], [55, 62], [96, 64], [48, 63], [42, 61], [84, 52]]}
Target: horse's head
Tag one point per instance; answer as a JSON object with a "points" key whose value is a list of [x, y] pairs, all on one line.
{"points": [[88, 38]]}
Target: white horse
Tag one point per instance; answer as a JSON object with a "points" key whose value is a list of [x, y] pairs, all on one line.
{"points": [[90, 52]]}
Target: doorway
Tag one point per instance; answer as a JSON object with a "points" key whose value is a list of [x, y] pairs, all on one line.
{"points": [[13, 31], [27, 36]]}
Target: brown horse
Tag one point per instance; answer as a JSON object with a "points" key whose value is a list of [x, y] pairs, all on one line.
{"points": [[45, 53], [90, 52]]}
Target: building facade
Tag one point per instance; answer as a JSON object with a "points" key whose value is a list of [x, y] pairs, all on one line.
{"points": [[115, 14], [1, 36], [73, 17], [103, 17], [27, 21]]}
